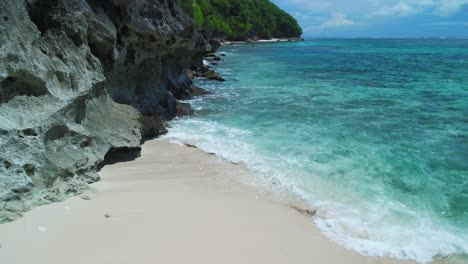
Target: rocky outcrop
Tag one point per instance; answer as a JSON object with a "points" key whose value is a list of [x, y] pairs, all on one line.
{"points": [[208, 74], [153, 126], [79, 78], [214, 45]]}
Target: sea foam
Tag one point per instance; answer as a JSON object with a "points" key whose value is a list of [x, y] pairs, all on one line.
{"points": [[370, 228], [368, 132]]}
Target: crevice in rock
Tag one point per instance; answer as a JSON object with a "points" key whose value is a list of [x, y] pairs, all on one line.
{"points": [[57, 132], [7, 164], [29, 132], [39, 12], [86, 143], [29, 169], [22, 83], [77, 40]]}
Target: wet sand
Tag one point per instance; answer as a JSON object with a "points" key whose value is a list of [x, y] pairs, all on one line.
{"points": [[174, 204]]}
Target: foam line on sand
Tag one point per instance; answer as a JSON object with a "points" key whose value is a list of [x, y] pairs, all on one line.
{"points": [[174, 204]]}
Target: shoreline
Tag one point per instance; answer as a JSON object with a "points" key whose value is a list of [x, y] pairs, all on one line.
{"points": [[274, 40], [299, 206], [173, 204]]}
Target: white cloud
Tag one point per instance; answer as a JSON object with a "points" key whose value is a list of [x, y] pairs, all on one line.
{"points": [[337, 20], [399, 9], [382, 7], [329, 16], [448, 7]]}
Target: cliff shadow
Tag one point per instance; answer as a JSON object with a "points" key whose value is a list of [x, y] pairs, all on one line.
{"points": [[117, 155]]}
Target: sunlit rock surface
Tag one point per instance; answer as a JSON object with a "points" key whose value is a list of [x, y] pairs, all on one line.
{"points": [[75, 78]]}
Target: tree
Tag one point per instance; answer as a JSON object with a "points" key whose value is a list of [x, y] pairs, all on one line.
{"points": [[241, 19]]}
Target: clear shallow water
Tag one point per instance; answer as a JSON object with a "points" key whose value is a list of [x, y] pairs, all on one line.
{"points": [[372, 133]]}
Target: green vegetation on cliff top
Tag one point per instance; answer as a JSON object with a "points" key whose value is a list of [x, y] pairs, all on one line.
{"points": [[241, 19]]}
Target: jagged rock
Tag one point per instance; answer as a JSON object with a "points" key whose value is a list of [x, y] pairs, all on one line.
{"points": [[197, 91], [212, 75], [190, 74], [193, 91], [153, 126], [212, 59], [184, 109], [214, 45], [207, 73], [75, 76], [152, 41]]}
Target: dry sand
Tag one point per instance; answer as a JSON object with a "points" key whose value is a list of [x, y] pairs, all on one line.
{"points": [[172, 205]]}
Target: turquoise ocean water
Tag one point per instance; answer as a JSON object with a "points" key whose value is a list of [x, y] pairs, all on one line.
{"points": [[371, 132]]}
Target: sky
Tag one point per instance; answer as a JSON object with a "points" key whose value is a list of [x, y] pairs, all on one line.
{"points": [[379, 18]]}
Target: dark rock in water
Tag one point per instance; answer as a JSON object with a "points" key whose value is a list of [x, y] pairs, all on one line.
{"points": [[184, 109], [197, 91], [212, 75], [186, 95], [75, 78], [192, 91], [212, 57], [214, 44], [190, 74], [207, 73], [202, 69], [153, 126]]}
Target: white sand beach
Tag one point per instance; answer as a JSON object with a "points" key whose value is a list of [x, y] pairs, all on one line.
{"points": [[174, 204]]}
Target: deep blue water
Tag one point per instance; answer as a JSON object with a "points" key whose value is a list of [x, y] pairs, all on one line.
{"points": [[371, 132]]}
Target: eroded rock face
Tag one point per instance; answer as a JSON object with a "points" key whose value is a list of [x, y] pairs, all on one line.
{"points": [[146, 48], [75, 77]]}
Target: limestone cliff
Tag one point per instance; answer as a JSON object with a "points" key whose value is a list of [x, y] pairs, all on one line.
{"points": [[76, 78]]}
